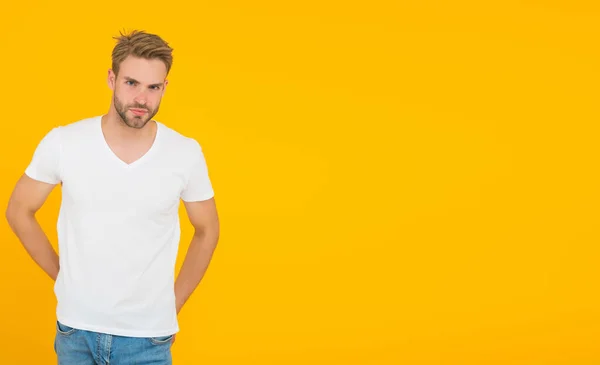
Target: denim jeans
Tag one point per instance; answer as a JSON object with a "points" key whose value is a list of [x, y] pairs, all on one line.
{"points": [[79, 347]]}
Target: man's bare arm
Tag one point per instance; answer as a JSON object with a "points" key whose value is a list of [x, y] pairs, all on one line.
{"points": [[204, 218], [27, 198]]}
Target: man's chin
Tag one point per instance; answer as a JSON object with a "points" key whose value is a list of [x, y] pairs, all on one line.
{"points": [[136, 123]]}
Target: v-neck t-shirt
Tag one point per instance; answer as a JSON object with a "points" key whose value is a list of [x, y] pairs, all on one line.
{"points": [[118, 226]]}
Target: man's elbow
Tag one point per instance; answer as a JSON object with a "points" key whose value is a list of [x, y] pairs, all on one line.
{"points": [[208, 234], [16, 213], [10, 214]]}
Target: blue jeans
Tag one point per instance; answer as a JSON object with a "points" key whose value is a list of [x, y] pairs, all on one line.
{"points": [[79, 347]]}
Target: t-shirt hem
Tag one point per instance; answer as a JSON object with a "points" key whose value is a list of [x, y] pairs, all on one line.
{"points": [[117, 331]]}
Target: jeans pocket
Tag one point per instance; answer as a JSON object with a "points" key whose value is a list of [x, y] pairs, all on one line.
{"points": [[161, 340], [63, 329]]}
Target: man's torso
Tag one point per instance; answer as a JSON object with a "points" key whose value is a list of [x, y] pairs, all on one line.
{"points": [[118, 231]]}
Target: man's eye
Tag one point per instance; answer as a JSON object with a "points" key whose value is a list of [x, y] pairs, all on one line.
{"points": [[129, 82]]}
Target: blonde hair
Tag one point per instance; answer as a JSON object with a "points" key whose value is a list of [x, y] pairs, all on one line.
{"points": [[140, 44]]}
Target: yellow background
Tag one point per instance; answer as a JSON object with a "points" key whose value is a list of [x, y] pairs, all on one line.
{"points": [[399, 182]]}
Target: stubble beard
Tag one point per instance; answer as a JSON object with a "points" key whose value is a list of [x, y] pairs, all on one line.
{"points": [[135, 121]]}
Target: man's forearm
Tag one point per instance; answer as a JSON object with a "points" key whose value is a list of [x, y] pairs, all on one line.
{"points": [[36, 243], [194, 265]]}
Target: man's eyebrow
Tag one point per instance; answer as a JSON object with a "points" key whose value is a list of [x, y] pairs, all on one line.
{"points": [[136, 81]]}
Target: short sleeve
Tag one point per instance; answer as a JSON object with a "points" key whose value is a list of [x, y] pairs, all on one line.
{"points": [[198, 186], [45, 163]]}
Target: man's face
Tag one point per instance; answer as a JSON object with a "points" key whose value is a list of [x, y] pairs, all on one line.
{"points": [[138, 90]]}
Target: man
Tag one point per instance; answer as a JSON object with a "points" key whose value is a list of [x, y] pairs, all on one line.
{"points": [[122, 176]]}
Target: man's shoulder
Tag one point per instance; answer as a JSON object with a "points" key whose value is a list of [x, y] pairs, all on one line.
{"points": [[178, 140], [78, 127], [78, 130]]}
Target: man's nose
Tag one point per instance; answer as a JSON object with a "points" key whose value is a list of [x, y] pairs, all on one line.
{"points": [[141, 98]]}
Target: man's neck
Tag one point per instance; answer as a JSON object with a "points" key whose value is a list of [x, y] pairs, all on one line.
{"points": [[114, 128]]}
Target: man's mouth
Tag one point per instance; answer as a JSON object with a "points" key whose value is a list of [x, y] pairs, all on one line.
{"points": [[138, 112]]}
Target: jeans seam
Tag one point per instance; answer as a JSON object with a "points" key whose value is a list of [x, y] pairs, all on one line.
{"points": [[97, 353], [109, 347]]}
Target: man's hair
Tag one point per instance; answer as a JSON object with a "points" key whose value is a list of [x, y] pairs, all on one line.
{"points": [[140, 44]]}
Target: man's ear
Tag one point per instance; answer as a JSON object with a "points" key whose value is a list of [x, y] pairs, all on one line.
{"points": [[111, 79]]}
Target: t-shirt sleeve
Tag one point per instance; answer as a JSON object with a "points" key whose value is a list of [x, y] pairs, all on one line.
{"points": [[198, 186], [45, 163]]}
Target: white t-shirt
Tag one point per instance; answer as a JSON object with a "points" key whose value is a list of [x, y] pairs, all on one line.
{"points": [[118, 226]]}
